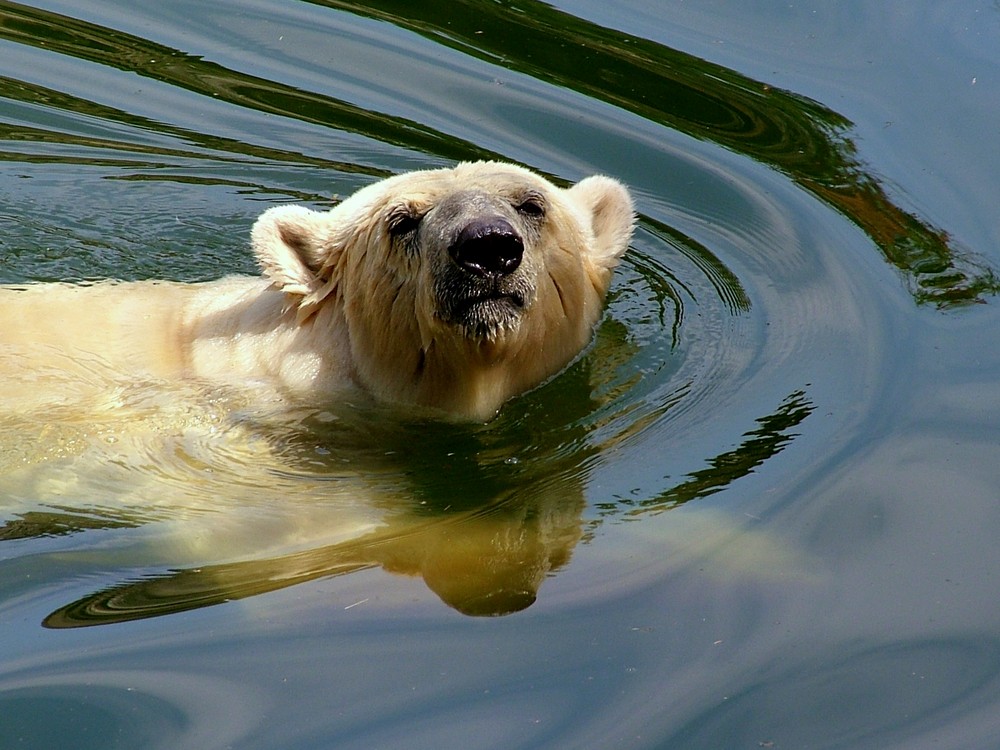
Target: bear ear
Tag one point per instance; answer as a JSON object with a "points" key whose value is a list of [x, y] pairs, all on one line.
{"points": [[294, 249], [608, 204], [290, 245]]}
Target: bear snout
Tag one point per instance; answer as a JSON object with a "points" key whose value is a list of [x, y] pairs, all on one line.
{"points": [[488, 247]]}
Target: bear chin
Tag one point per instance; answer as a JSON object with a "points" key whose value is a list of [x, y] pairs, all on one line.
{"points": [[489, 317]]}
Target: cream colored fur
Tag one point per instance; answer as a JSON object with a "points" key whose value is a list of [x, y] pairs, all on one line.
{"points": [[344, 303]]}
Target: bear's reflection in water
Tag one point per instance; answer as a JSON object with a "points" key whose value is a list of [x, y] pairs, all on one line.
{"points": [[218, 507], [479, 564]]}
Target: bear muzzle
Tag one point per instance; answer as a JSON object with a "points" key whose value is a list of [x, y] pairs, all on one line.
{"points": [[488, 248], [486, 280]]}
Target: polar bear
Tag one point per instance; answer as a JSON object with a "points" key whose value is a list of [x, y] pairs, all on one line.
{"points": [[453, 289]]}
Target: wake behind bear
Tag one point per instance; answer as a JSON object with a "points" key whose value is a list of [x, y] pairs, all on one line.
{"points": [[453, 289]]}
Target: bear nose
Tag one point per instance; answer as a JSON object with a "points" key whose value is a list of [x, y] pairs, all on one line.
{"points": [[488, 247]]}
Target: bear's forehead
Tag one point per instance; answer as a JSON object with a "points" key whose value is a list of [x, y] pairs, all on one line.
{"points": [[432, 186]]}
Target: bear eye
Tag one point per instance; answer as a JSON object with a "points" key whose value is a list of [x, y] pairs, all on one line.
{"points": [[532, 207], [402, 222]]}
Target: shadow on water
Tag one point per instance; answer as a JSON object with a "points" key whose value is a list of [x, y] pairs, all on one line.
{"points": [[803, 139]]}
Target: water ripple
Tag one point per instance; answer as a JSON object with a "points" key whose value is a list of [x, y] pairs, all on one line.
{"points": [[98, 708]]}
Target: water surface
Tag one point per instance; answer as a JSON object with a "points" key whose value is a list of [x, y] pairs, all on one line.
{"points": [[759, 512]]}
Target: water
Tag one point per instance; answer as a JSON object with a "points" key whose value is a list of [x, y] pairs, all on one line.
{"points": [[759, 512]]}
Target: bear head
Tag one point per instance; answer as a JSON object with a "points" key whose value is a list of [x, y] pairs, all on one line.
{"points": [[458, 288]]}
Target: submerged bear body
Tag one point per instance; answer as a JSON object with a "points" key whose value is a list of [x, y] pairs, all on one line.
{"points": [[453, 289]]}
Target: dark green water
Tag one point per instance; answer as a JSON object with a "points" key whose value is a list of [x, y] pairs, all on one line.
{"points": [[762, 511]]}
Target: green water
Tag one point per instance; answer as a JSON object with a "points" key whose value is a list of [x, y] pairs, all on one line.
{"points": [[761, 511]]}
